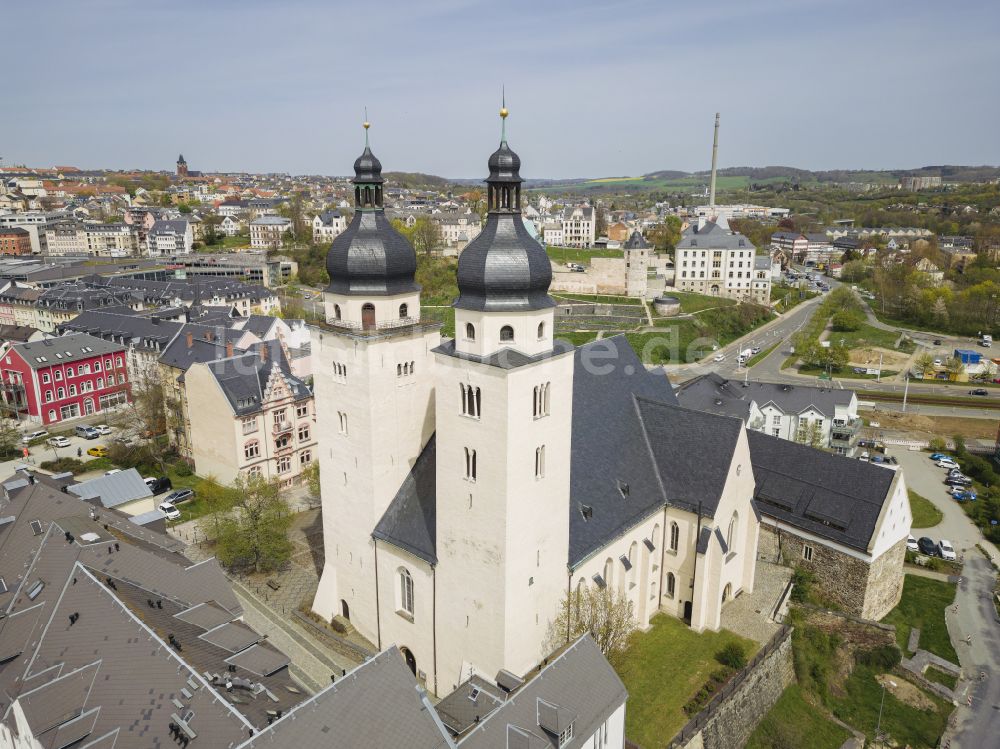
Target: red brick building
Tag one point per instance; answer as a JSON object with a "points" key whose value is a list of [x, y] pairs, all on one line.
{"points": [[14, 241], [56, 379]]}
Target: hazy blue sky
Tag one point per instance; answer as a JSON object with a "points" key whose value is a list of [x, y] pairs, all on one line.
{"points": [[595, 87]]}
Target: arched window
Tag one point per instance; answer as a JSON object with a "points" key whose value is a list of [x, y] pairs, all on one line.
{"points": [[251, 449], [675, 536], [399, 370], [506, 334], [540, 401], [412, 365], [655, 538], [472, 401], [405, 591], [541, 330], [336, 312], [731, 535], [633, 558], [470, 464], [402, 311], [671, 584], [609, 571], [282, 441], [470, 331]]}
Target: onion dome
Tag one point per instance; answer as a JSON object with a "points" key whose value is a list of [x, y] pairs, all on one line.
{"points": [[504, 268], [370, 257]]}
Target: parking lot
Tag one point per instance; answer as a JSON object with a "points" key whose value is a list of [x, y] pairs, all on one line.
{"points": [[927, 480]]}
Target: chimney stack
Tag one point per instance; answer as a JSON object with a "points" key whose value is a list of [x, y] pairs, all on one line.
{"points": [[263, 351], [190, 339], [209, 335], [715, 153], [229, 350]]}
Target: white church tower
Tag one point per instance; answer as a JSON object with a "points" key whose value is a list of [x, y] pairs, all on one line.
{"points": [[373, 380], [504, 416]]}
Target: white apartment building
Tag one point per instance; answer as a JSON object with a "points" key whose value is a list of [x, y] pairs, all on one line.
{"points": [[579, 226], [458, 229], [173, 237], [268, 232], [327, 225], [553, 234], [714, 260]]}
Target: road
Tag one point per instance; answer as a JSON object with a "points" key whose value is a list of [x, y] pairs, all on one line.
{"points": [[978, 725]]}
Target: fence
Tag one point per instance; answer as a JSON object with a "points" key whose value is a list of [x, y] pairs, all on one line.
{"points": [[699, 721]]}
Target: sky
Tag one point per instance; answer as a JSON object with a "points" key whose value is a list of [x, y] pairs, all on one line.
{"points": [[595, 88]]}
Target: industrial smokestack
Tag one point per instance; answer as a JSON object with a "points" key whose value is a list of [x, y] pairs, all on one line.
{"points": [[715, 153]]}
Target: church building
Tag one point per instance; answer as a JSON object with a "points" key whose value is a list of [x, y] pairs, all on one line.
{"points": [[470, 484]]}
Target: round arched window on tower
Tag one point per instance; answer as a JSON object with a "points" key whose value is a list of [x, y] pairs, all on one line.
{"points": [[541, 330], [403, 309], [506, 334]]}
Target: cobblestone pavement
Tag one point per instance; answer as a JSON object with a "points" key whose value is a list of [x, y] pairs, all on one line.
{"points": [[749, 615]]}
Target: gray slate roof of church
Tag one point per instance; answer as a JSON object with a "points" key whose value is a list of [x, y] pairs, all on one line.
{"points": [[829, 495], [410, 520]]}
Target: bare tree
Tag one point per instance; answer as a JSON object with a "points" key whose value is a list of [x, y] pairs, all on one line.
{"points": [[607, 615], [426, 235]]}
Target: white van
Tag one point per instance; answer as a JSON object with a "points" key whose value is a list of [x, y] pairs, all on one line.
{"points": [[37, 434]]}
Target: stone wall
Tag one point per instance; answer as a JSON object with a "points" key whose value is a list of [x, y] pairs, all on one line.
{"points": [[838, 577], [885, 582], [729, 723]]}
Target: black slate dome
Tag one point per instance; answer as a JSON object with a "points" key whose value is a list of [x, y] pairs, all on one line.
{"points": [[504, 268], [370, 257]]}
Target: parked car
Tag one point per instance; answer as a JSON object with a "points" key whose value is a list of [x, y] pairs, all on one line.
{"points": [[958, 481], [928, 547], [719, 357], [113, 471], [98, 451], [87, 432], [978, 391], [755, 350], [169, 510], [963, 495], [864, 455], [946, 463], [939, 456], [35, 435], [181, 495], [937, 362], [937, 341], [103, 429], [158, 484], [947, 550], [911, 544], [59, 441]]}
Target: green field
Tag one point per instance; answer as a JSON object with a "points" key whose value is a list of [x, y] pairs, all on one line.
{"points": [[577, 338], [663, 669], [867, 335], [691, 302], [940, 677], [572, 255], [599, 298], [925, 514], [793, 722], [923, 606]]}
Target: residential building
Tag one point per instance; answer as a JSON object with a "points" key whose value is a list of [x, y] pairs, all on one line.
{"points": [[14, 241], [553, 234], [715, 260], [267, 232], [233, 208], [327, 225], [821, 417], [110, 240], [170, 237], [229, 226], [919, 183], [66, 239], [458, 229], [579, 225], [250, 416], [56, 379], [794, 244], [442, 451], [35, 223]]}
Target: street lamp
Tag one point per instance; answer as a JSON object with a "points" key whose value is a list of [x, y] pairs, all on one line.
{"points": [[878, 728]]}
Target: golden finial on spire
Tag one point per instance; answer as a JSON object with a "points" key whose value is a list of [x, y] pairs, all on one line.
{"points": [[503, 103], [366, 124]]}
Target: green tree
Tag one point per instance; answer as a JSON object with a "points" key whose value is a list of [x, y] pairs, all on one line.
{"points": [[254, 533], [924, 364], [311, 476], [10, 439], [954, 366], [425, 236], [608, 615]]}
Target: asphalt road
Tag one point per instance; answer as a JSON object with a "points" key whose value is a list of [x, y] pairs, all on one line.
{"points": [[977, 725]]}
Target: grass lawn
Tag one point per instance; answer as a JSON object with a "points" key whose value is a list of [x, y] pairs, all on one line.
{"points": [[577, 338], [867, 335], [195, 507], [599, 298], [662, 669], [790, 297], [691, 302], [908, 726], [227, 243], [925, 514], [794, 722], [571, 255], [940, 677], [923, 605]]}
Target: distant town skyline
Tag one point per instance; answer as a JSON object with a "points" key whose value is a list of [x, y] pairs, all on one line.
{"points": [[594, 89]]}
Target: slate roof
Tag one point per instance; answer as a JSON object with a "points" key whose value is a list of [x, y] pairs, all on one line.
{"points": [[17, 333], [713, 237], [507, 358], [472, 701], [181, 356], [114, 490], [410, 520], [169, 226], [829, 495], [371, 257], [70, 348], [637, 242], [715, 394], [243, 378], [144, 332]]}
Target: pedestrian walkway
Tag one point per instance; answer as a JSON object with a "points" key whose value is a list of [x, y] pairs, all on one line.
{"points": [[751, 615]]}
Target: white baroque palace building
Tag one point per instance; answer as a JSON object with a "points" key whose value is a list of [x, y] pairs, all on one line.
{"points": [[469, 485]]}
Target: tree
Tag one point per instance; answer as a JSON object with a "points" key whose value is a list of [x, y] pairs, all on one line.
{"points": [[607, 615], [311, 476], [600, 222], [211, 223], [847, 320], [10, 439], [940, 311], [954, 366], [426, 235], [254, 533], [924, 364], [665, 235]]}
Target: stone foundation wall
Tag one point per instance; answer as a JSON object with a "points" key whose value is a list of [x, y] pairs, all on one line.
{"points": [[838, 577], [885, 582], [730, 724]]}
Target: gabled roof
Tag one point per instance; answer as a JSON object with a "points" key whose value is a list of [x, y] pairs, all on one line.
{"points": [[712, 236], [410, 520], [713, 393], [828, 495], [65, 350], [244, 378], [114, 490]]}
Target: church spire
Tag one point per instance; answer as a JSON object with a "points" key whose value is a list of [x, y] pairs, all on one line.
{"points": [[367, 176]]}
